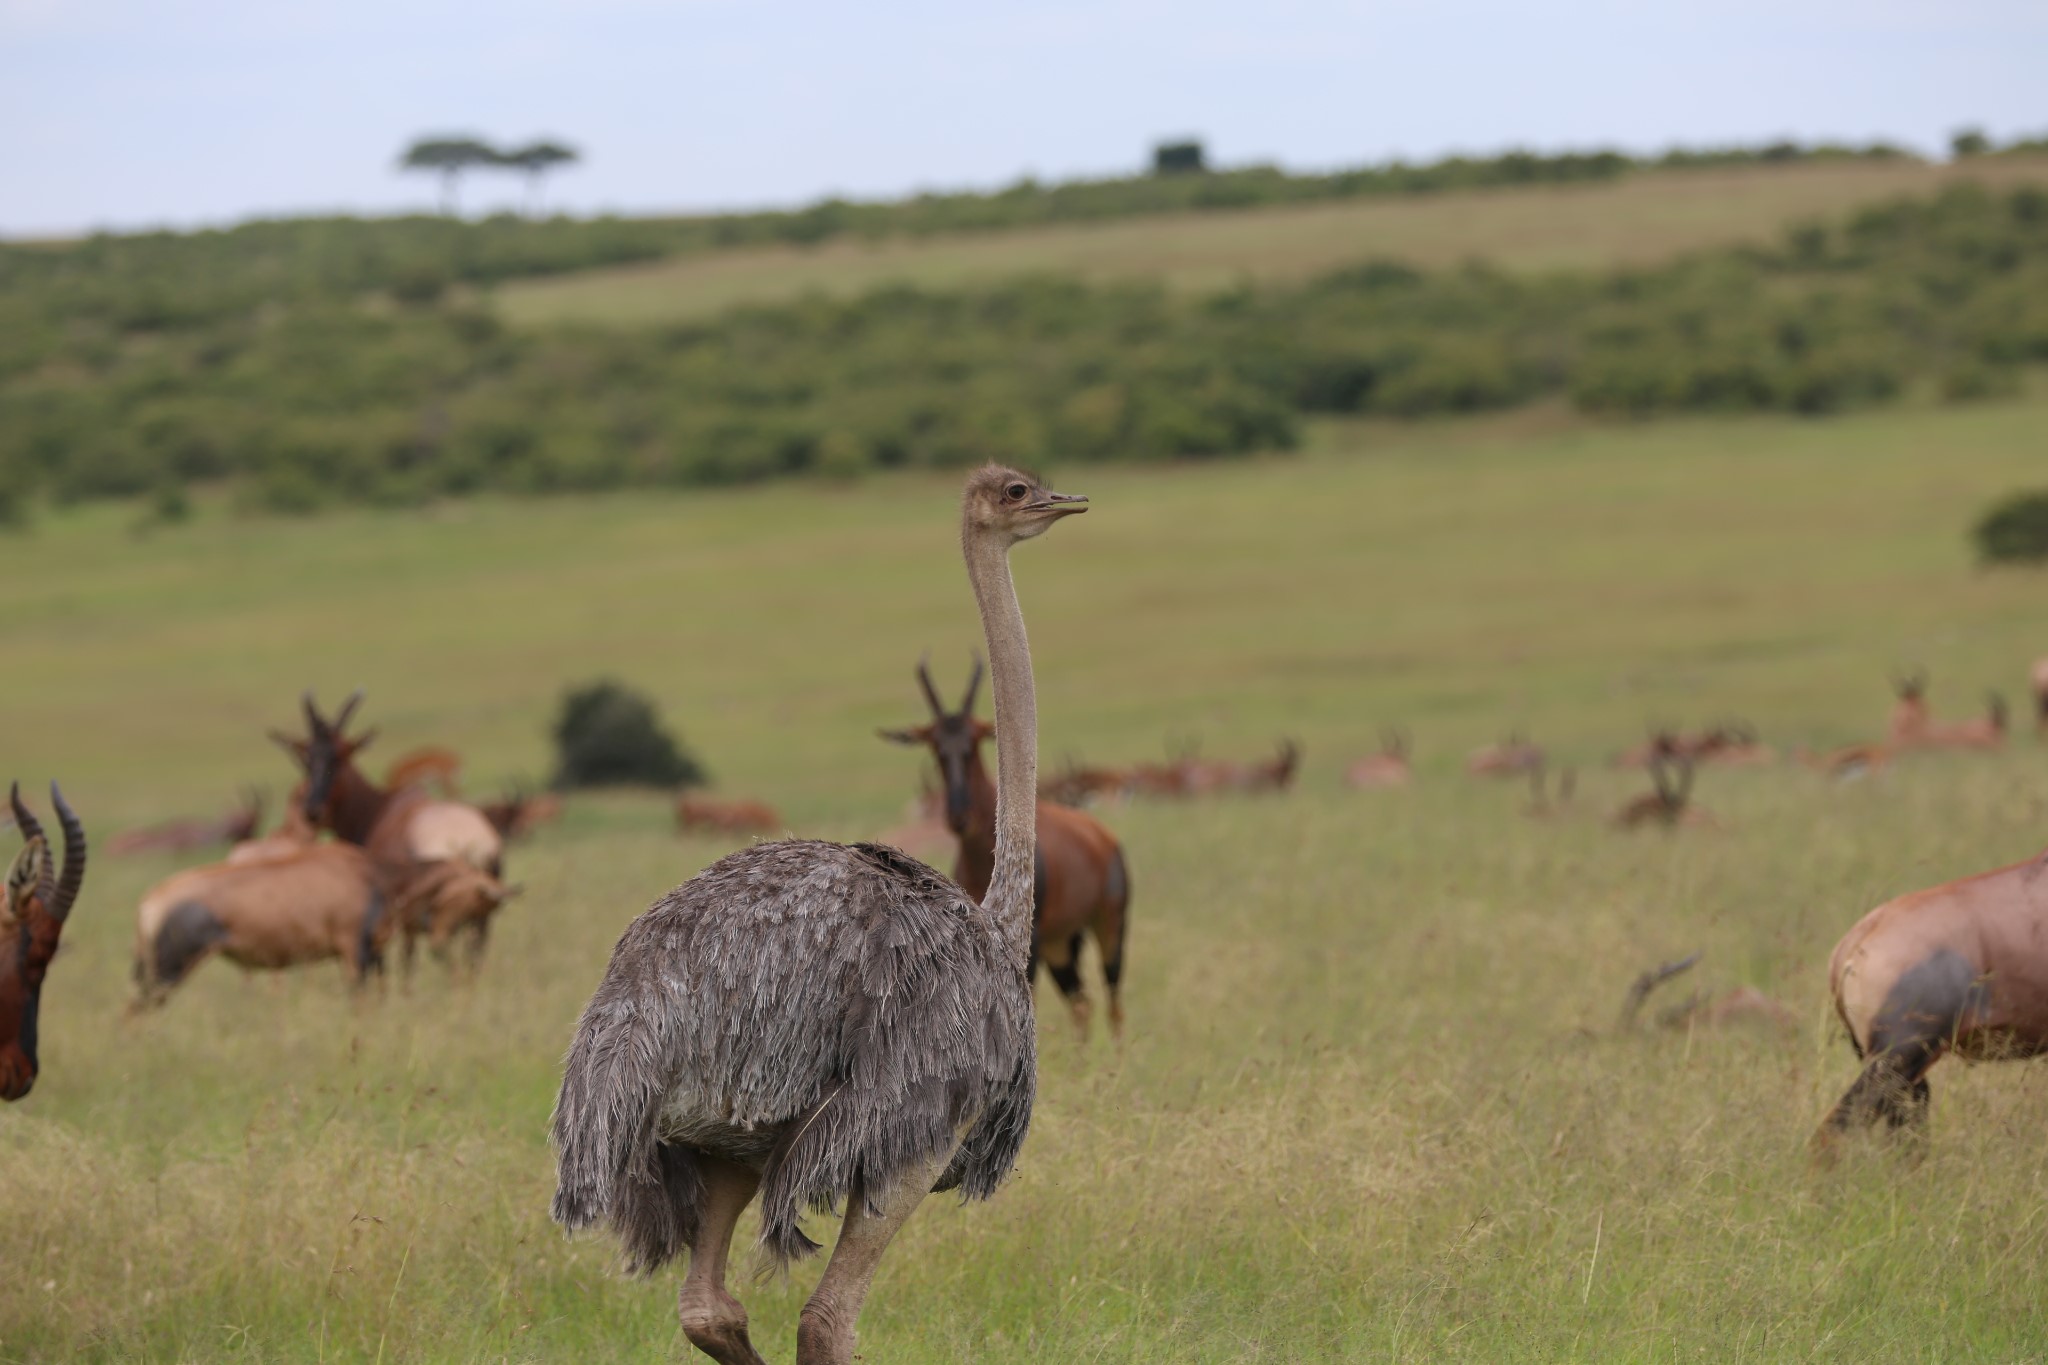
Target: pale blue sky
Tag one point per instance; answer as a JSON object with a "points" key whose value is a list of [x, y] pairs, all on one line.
{"points": [[135, 112]]}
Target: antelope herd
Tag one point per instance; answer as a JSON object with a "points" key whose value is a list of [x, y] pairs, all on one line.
{"points": [[1956, 968]]}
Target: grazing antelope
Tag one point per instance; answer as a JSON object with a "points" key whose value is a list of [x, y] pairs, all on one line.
{"points": [[1910, 715], [1957, 968], [1665, 804], [1080, 885], [38, 899], [2037, 683], [1387, 768], [442, 899], [308, 904], [1511, 757], [394, 826], [1984, 732], [726, 817], [424, 766]]}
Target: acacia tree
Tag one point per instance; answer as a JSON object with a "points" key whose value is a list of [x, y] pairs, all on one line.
{"points": [[449, 157], [537, 159]]}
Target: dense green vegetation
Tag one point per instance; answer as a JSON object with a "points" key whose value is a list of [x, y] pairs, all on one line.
{"points": [[2014, 530], [279, 371]]}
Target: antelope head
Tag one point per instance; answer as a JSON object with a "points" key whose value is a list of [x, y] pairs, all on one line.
{"points": [[954, 737], [38, 901], [325, 753]]}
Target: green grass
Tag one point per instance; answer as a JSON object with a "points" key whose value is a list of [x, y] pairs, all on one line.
{"points": [[1371, 1107], [1641, 218]]}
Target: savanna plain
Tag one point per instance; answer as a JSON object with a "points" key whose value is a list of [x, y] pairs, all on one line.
{"points": [[1373, 1102]]}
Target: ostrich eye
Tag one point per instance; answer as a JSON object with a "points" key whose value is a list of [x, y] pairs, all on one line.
{"points": [[1016, 491]]}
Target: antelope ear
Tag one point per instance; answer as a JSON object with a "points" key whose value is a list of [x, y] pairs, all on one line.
{"points": [[295, 747], [983, 730], [361, 742], [920, 735], [26, 873]]}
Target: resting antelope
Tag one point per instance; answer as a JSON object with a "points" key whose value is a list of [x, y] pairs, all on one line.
{"points": [[1665, 804], [726, 817], [38, 901], [1959, 967], [1081, 884], [1387, 768], [1910, 715], [1510, 758], [1983, 732], [182, 836], [520, 811], [2037, 683]]}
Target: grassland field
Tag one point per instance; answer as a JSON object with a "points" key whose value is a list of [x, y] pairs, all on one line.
{"points": [[1372, 1105], [1640, 219]]}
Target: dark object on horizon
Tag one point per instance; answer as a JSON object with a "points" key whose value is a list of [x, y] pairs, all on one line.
{"points": [[449, 157], [1968, 142], [610, 736], [536, 159], [1179, 158], [2015, 530]]}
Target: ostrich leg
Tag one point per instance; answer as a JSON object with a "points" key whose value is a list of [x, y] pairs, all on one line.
{"points": [[713, 1320], [824, 1332]]}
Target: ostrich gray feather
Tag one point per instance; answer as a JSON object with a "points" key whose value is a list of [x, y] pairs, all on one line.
{"points": [[833, 1015]]}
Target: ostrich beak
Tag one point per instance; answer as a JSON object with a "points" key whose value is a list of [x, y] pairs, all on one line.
{"points": [[1060, 504]]}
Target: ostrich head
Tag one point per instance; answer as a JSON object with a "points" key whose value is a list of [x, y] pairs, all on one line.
{"points": [[1012, 506]]}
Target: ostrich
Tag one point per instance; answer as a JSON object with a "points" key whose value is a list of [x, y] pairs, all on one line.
{"points": [[819, 1023]]}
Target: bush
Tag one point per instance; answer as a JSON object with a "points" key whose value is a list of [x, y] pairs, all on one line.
{"points": [[2015, 530], [609, 736]]}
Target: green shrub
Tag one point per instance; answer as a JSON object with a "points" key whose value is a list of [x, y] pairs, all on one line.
{"points": [[2015, 530], [607, 735]]}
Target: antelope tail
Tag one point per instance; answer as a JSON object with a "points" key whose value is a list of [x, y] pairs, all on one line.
{"points": [[610, 1163]]}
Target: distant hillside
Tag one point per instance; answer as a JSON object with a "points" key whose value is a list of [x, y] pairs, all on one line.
{"points": [[144, 365], [1636, 219]]}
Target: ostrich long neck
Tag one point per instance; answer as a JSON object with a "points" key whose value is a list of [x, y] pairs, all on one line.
{"points": [[1009, 661]]}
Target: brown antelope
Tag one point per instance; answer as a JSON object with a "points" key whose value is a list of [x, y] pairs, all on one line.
{"points": [[401, 830], [395, 827], [1984, 732], [1736, 745], [1511, 757], [2037, 683], [293, 833], [309, 904], [182, 836], [38, 899], [443, 899], [429, 765], [1387, 768], [1910, 715], [1957, 968], [521, 811], [1081, 883], [1665, 804], [1740, 1005], [1081, 786], [726, 817]]}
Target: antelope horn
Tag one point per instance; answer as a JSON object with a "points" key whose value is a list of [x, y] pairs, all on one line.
{"points": [[32, 828], [316, 726], [973, 687], [74, 856], [924, 680], [348, 708]]}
